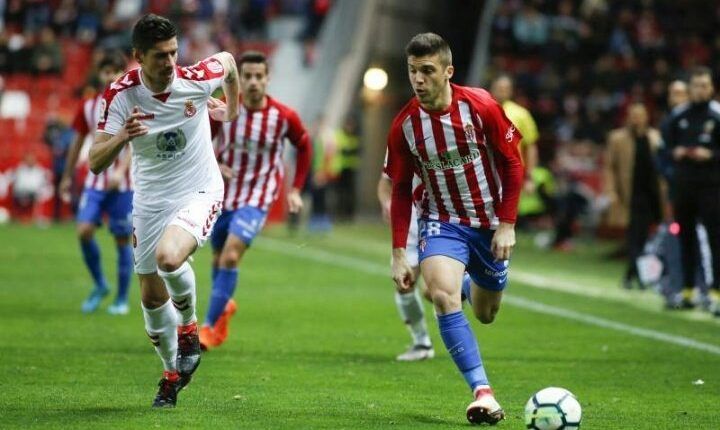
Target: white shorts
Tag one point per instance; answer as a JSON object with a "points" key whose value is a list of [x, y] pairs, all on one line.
{"points": [[196, 215]]}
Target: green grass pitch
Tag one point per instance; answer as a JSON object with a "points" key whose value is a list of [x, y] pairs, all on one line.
{"points": [[315, 336]]}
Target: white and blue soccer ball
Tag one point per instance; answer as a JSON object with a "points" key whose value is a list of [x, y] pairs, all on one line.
{"points": [[553, 408]]}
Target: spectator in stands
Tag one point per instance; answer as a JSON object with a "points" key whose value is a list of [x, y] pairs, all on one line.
{"points": [[348, 145], [47, 56], [632, 184], [28, 182], [58, 136], [315, 15]]}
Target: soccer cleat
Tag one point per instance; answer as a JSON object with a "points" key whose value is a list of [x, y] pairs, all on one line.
{"points": [[223, 323], [188, 354], [484, 409], [170, 385], [417, 353], [208, 339], [118, 308], [92, 303]]}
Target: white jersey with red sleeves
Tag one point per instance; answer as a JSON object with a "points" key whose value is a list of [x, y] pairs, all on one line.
{"points": [[253, 147], [465, 156], [176, 158], [85, 123]]}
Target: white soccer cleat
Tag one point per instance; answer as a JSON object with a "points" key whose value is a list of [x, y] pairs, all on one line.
{"points": [[484, 409], [417, 353]]}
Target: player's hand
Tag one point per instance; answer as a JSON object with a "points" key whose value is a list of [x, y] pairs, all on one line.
{"points": [[529, 186], [503, 241], [218, 109], [133, 124], [402, 273], [295, 203], [114, 181], [64, 189], [679, 152], [385, 206], [226, 172], [700, 153]]}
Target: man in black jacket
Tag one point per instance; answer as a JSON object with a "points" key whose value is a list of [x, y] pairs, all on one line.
{"points": [[692, 137]]}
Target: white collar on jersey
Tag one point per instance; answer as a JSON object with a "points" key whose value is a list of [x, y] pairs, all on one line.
{"points": [[142, 82]]}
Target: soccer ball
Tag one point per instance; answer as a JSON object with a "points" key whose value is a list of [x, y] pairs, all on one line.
{"points": [[552, 408]]}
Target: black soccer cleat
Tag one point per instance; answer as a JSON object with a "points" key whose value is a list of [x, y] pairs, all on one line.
{"points": [[188, 354], [170, 385]]}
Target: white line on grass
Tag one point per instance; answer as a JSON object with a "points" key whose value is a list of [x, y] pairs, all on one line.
{"points": [[354, 263]]}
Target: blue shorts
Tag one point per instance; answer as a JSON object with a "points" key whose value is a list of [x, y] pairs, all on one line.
{"points": [[470, 246], [245, 223], [117, 205]]}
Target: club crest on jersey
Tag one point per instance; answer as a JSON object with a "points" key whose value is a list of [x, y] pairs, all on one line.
{"points": [[171, 144], [469, 132], [190, 109]]}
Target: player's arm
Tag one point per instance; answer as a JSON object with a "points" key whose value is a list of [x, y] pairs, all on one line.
{"points": [[384, 194], [231, 89], [505, 141], [400, 167], [70, 163], [107, 146], [299, 138], [120, 171]]}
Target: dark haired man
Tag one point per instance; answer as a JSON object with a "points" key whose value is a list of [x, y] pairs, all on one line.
{"points": [[692, 138], [161, 109], [459, 141], [250, 159], [108, 193]]}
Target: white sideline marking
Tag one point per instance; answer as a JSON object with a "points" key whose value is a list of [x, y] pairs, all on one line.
{"points": [[369, 267]]}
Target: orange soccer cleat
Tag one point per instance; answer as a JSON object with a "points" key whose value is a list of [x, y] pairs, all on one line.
{"points": [[223, 323], [208, 338]]}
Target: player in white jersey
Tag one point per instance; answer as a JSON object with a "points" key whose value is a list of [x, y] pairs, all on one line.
{"points": [[407, 298], [250, 157], [162, 110], [108, 193]]}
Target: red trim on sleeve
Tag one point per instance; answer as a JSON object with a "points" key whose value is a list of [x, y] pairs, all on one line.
{"points": [[400, 166], [79, 123]]}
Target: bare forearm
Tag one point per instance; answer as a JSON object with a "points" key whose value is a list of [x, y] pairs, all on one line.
{"points": [[104, 151], [231, 86], [384, 190], [72, 157]]}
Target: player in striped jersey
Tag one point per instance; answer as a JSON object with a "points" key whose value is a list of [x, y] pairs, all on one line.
{"points": [[250, 158], [109, 192], [459, 141]]}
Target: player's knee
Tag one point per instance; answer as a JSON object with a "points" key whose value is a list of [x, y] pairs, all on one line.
{"points": [[485, 315], [443, 301], [229, 259], [169, 260], [85, 232]]}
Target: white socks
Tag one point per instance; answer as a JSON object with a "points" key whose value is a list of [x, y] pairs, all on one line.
{"points": [[181, 286], [161, 327], [411, 311]]}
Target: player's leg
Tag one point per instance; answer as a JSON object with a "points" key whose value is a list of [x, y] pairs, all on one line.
{"points": [[119, 209], [444, 254], [88, 217], [685, 211], [161, 327], [158, 312], [189, 229], [710, 214], [246, 224], [217, 241], [411, 310]]}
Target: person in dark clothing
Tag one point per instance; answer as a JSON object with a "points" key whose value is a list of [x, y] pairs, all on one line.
{"points": [[632, 183], [693, 140]]}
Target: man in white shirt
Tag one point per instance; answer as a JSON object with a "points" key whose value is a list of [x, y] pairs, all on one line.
{"points": [[161, 109]]}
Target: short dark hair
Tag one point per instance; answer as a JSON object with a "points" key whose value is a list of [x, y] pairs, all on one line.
{"points": [[254, 57], [425, 44], [700, 71], [114, 59], [151, 29]]}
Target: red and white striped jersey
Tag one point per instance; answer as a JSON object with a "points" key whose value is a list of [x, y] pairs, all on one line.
{"points": [[85, 123], [467, 157], [253, 146]]}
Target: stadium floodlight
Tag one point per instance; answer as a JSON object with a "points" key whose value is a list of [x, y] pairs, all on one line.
{"points": [[375, 79]]}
